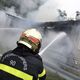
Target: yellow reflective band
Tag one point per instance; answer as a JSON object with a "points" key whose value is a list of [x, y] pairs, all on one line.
{"points": [[15, 72], [43, 73]]}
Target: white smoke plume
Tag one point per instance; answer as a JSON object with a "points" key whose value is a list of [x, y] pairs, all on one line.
{"points": [[3, 19], [48, 11], [44, 12], [27, 6]]}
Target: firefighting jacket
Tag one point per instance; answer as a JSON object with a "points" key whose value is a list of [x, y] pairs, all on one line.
{"points": [[21, 64]]}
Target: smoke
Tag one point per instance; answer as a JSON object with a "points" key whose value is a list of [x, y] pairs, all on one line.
{"points": [[8, 38], [26, 6], [75, 38], [3, 19], [49, 10], [61, 35], [11, 10], [8, 34], [46, 10], [59, 48], [38, 10]]}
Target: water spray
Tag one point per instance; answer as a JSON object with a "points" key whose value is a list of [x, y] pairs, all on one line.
{"points": [[58, 37]]}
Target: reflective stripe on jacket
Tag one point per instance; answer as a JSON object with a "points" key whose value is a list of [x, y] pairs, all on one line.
{"points": [[15, 72], [19, 73]]}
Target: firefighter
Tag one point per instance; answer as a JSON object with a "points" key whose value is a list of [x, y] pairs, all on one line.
{"points": [[23, 62]]}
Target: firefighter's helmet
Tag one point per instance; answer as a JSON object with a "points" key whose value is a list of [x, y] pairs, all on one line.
{"points": [[31, 38]]}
